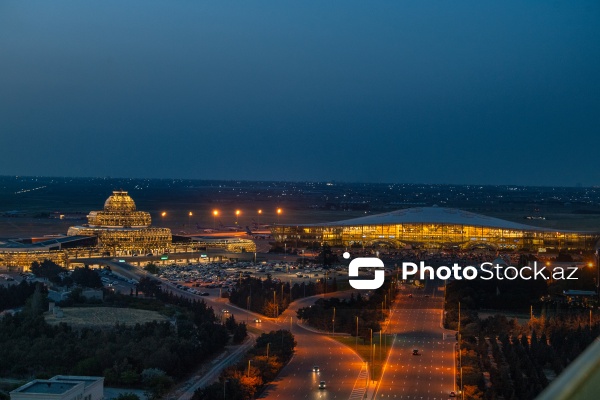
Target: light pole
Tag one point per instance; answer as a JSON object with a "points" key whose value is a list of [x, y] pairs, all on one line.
{"points": [[249, 361], [598, 273], [279, 211], [258, 219], [356, 334], [190, 220], [371, 348], [247, 306], [333, 323], [268, 344], [215, 215], [380, 346], [237, 216], [462, 396]]}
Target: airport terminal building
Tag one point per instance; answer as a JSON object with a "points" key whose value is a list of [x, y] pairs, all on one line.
{"points": [[437, 228], [123, 230], [118, 230]]}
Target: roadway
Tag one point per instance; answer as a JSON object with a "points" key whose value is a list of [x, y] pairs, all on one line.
{"points": [[416, 324], [339, 365]]}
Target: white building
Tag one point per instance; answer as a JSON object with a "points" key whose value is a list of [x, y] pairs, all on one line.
{"points": [[61, 387]]}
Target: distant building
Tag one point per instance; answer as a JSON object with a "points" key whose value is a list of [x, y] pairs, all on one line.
{"points": [[23, 252], [232, 244], [117, 230], [61, 387], [122, 230], [436, 228]]}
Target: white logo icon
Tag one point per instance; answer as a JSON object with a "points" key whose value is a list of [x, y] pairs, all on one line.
{"points": [[365, 262]]}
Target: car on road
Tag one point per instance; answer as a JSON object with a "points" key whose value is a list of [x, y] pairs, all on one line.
{"points": [[316, 368], [416, 352], [452, 394], [257, 320], [225, 311], [410, 296], [426, 295], [322, 385], [204, 294]]}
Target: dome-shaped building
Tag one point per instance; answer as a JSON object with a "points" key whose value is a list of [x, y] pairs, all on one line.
{"points": [[121, 229], [119, 211]]}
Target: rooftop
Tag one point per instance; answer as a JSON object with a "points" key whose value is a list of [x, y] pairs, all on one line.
{"points": [[47, 387], [434, 215]]}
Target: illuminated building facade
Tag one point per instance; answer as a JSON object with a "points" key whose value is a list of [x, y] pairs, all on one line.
{"points": [[122, 230], [22, 253], [436, 228], [234, 245]]}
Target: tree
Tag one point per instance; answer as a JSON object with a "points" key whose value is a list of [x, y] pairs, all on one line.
{"points": [[127, 396], [149, 286], [152, 268], [240, 333], [86, 277], [47, 269]]}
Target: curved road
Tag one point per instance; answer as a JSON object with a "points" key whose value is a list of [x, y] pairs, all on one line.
{"points": [[339, 365]]}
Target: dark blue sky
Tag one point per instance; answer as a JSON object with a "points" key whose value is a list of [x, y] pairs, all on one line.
{"points": [[381, 91]]}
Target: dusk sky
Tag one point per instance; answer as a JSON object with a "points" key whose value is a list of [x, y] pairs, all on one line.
{"points": [[484, 92]]}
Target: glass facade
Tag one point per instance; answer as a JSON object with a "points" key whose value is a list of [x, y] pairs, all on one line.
{"points": [[436, 236]]}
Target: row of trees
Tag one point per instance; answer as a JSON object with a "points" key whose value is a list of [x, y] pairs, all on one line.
{"points": [[83, 276], [14, 296], [260, 366], [325, 314], [519, 357], [270, 297], [147, 355]]}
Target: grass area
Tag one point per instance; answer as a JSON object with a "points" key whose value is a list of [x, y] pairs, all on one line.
{"points": [[364, 350], [103, 317]]}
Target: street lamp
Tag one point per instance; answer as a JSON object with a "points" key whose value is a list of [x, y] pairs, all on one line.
{"points": [[279, 211], [333, 323], [215, 215], [190, 219], [249, 361], [356, 334], [237, 215], [258, 219], [598, 270]]}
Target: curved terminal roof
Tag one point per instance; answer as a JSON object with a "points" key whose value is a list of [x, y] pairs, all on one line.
{"points": [[434, 215]]}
